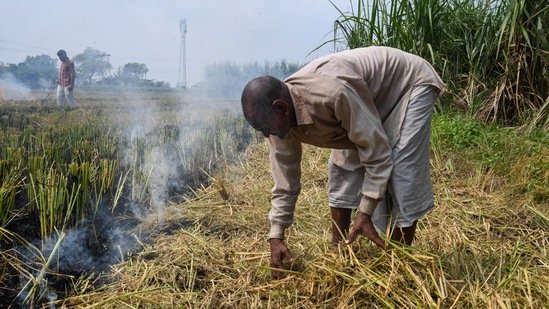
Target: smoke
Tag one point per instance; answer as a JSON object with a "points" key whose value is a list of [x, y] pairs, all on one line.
{"points": [[166, 147], [12, 89], [149, 155], [89, 249], [163, 177]]}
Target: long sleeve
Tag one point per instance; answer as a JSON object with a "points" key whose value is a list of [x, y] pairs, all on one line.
{"points": [[71, 73], [285, 159], [359, 117], [67, 73]]}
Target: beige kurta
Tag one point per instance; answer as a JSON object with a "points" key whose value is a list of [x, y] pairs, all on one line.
{"points": [[354, 99]]}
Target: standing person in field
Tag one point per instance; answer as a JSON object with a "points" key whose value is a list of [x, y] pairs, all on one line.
{"points": [[373, 107], [65, 84]]}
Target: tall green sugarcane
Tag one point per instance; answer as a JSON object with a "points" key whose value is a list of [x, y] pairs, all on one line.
{"points": [[495, 53]]}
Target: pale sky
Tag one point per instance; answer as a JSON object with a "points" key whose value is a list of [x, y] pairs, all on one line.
{"points": [[147, 31]]}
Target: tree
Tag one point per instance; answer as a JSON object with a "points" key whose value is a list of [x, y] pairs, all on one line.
{"points": [[8, 68], [92, 63], [226, 79], [35, 72], [135, 70]]}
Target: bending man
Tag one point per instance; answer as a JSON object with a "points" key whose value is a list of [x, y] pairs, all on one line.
{"points": [[373, 107]]}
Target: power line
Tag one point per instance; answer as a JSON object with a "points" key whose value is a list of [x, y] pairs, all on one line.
{"points": [[32, 48]]}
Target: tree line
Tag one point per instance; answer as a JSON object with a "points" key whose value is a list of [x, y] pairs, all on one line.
{"points": [[224, 79], [227, 79], [92, 67]]}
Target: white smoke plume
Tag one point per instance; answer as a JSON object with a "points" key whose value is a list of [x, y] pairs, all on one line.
{"points": [[12, 89], [151, 157]]}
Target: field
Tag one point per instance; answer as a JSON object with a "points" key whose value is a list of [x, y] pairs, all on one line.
{"points": [[139, 199], [75, 182]]}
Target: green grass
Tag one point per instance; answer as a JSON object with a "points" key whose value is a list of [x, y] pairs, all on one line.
{"points": [[511, 154]]}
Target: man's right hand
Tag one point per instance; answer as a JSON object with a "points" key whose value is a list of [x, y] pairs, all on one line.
{"points": [[279, 253], [364, 226]]}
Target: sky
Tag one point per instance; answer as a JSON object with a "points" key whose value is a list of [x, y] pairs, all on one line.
{"points": [[148, 31]]}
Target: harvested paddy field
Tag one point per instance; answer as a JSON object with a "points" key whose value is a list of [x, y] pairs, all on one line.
{"points": [[204, 245]]}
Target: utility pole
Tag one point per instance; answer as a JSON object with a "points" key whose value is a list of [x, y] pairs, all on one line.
{"points": [[182, 81], [108, 55]]}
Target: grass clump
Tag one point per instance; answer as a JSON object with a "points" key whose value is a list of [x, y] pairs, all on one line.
{"points": [[519, 160]]}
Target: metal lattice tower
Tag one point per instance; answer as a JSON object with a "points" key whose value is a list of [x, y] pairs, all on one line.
{"points": [[182, 81]]}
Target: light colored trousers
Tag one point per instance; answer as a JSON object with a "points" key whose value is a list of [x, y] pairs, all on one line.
{"points": [[64, 93], [409, 194]]}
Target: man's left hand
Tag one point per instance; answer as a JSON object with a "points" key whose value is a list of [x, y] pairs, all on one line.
{"points": [[364, 226], [71, 87]]}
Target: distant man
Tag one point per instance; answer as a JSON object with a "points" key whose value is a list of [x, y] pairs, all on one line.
{"points": [[65, 84], [373, 107]]}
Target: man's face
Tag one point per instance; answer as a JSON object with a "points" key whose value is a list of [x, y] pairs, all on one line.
{"points": [[272, 124]]}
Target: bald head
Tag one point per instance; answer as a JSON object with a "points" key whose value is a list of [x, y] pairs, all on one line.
{"points": [[258, 96]]}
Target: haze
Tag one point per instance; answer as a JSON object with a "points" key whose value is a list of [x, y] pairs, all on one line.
{"points": [[147, 31]]}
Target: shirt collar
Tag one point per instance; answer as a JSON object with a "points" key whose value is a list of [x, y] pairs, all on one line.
{"points": [[302, 114]]}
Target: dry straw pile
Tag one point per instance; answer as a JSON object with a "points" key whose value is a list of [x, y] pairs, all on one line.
{"points": [[480, 248]]}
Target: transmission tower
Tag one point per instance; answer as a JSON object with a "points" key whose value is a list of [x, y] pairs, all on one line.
{"points": [[182, 81]]}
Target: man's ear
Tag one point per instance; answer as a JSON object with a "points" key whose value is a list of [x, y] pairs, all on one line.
{"points": [[280, 106]]}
